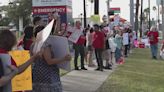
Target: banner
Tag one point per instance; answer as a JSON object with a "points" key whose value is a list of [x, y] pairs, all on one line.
{"points": [[23, 81], [116, 20], [74, 37], [42, 37], [95, 19]]}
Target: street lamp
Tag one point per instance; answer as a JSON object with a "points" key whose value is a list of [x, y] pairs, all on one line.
{"points": [[149, 15], [85, 21]]}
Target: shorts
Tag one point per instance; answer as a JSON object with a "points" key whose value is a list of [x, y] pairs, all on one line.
{"points": [[89, 48]]}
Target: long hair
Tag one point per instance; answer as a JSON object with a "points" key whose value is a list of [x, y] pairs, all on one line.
{"points": [[28, 31]]}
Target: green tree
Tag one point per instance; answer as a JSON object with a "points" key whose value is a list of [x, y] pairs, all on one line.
{"points": [[4, 21], [21, 8]]}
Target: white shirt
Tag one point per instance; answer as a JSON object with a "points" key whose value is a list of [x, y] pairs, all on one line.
{"points": [[125, 38]]}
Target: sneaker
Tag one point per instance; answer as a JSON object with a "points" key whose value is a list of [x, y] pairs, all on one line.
{"points": [[101, 69], [77, 68], [84, 68], [108, 68], [98, 69]]}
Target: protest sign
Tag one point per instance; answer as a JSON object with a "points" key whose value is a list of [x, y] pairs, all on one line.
{"points": [[60, 49], [74, 37], [116, 20], [22, 81], [42, 36]]}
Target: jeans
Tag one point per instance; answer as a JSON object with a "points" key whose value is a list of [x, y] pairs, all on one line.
{"points": [[79, 49], [118, 54], [99, 59], [154, 49], [126, 50]]}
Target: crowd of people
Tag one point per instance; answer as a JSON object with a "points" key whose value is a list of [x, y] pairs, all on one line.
{"points": [[100, 42]]}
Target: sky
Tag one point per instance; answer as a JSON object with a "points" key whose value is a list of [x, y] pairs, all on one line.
{"points": [[77, 6]]}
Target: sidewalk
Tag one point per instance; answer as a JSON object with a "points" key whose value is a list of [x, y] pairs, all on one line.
{"points": [[84, 81]]}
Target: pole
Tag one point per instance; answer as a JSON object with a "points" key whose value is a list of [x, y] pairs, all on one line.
{"points": [[85, 22], [132, 13], [141, 18], [158, 17], [149, 15], [96, 12], [162, 2], [108, 9]]}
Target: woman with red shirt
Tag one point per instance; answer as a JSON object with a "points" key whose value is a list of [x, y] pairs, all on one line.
{"points": [[7, 41], [153, 39]]}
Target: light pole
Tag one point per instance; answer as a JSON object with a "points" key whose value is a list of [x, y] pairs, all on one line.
{"points": [[149, 15], [162, 2], [132, 13], [96, 12], [85, 22], [141, 18]]}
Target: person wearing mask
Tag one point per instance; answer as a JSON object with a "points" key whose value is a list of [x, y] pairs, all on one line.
{"points": [[99, 45], [7, 42], [153, 40], [79, 47]]}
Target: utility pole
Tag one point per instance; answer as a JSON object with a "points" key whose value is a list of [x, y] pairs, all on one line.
{"points": [[108, 9], [141, 18], [149, 15], [162, 2], [132, 13], [85, 21], [96, 12]]}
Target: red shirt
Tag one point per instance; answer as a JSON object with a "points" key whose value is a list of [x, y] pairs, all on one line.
{"points": [[98, 40], [82, 38], [27, 45], [153, 37]]}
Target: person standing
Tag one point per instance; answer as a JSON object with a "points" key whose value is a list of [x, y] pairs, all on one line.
{"points": [[99, 45], [46, 73], [126, 42], [89, 43], [7, 42], [27, 39], [79, 47], [118, 41], [153, 40]]}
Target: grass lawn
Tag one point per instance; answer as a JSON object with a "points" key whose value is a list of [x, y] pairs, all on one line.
{"points": [[139, 74]]}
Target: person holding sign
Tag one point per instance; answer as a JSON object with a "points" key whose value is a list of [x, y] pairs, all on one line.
{"points": [[46, 74], [9, 69], [78, 38]]}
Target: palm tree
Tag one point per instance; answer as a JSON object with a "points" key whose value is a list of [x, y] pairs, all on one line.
{"points": [[91, 1], [136, 16], [146, 12]]}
